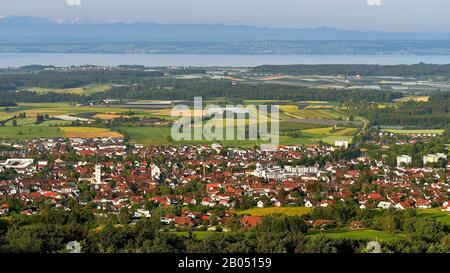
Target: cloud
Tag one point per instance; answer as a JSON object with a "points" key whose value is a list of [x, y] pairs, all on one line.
{"points": [[374, 2], [73, 2]]}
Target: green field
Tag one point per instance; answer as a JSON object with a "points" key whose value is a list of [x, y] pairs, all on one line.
{"points": [[290, 211], [153, 135], [54, 122], [84, 90], [409, 132], [436, 214], [329, 134], [296, 125], [146, 135], [29, 132], [22, 122], [199, 234], [360, 234], [294, 111]]}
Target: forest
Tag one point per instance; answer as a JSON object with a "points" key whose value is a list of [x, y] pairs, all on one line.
{"points": [[52, 229], [432, 114], [416, 70]]}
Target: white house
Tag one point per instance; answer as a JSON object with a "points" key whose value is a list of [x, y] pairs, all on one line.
{"points": [[142, 213], [384, 205], [404, 160], [260, 204], [341, 143], [155, 171], [433, 158]]}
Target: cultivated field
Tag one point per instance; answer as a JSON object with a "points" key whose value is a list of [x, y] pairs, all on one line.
{"points": [[414, 98], [436, 214], [290, 211], [312, 112], [85, 90], [109, 116], [89, 132], [29, 132], [414, 132], [146, 135]]}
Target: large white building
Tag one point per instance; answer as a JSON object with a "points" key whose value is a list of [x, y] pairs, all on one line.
{"points": [[404, 160], [21, 165], [341, 143], [277, 173], [98, 174], [433, 158]]}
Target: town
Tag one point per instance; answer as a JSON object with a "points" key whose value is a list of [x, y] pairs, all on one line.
{"points": [[211, 183]]}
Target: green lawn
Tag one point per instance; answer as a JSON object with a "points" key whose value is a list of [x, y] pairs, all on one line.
{"points": [[147, 135], [436, 214], [29, 132], [296, 125], [361, 234], [199, 234], [22, 121], [294, 111], [329, 134], [54, 122], [405, 132], [84, 90]]}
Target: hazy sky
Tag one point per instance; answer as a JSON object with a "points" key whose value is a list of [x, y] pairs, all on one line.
{"points": [[388, 15]]}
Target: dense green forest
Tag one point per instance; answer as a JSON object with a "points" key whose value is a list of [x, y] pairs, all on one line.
{"points": [[416, 70], [154, 89], [53, 228], [148, 85], [432, 114], [56, 79]]}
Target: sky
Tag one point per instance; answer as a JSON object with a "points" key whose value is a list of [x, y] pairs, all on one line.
{"points": [[383, 15]]}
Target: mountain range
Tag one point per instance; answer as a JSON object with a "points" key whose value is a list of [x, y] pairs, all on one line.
{"points": [[40, 30]]}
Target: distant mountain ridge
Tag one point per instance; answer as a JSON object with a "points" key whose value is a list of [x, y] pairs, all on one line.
{"points": [[39, 30]]}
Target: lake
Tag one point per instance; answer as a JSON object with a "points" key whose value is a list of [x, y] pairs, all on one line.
{"points": [[206, 60]]}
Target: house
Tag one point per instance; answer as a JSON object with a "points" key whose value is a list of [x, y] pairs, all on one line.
{"points": [[320, 224], [208, 202], [184, 221], [308, 204], [326, 203], [142, 213], [4, 209], [260, 204], [167, 219], [404, 160], [155, 171], [403, 205], [375, 196], [384, 205], [422, 204], [251, 221], [446, 206], [20, 165], [341, 143], [433, 158], [275, 202], [355, 225]]}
